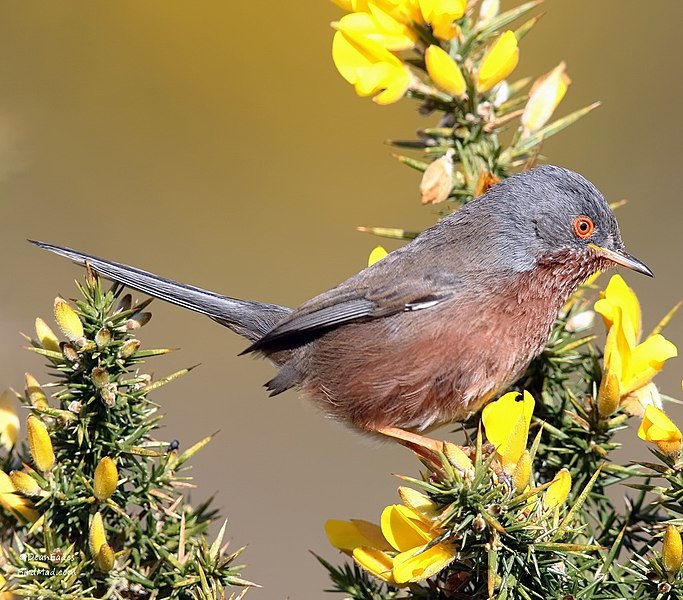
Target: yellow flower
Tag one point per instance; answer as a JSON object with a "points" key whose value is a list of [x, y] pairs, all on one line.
{"points": [[9, 421], [507, 423], [18, 505], [437, 180], [352, 5], [498, 62], [377, 254], [629, 366], [370, 68], [444, 71], [440, 14], [377, 26], [657, 428], [558, 490], [672, 550], [394, 552], [34, 392], [40, 444], [106, 478], [546, 93]]}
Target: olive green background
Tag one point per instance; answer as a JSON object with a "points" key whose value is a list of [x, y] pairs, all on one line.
{"points": [[215, 143]]}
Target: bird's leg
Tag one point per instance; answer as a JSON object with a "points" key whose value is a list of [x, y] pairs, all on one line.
{"points": [[410, 439]]}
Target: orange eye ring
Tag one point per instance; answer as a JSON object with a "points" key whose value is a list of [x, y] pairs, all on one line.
{"points": [[584, 227]]}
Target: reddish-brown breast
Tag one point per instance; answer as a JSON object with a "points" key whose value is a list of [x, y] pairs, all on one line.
{"points": [[416, 370]]}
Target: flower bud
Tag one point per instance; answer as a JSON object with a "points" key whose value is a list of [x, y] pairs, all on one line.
{"points": [[19, 506], [138, 320], [418, 502], [558, 490], [609, 394], [102, 338], [69, 352], [47, 338], [546, 93], [40, 444], [68, 320], [9, 421], [444, 71], [34, 392], [99, 377], [672, 550], [457, 457], [488, 11], [580, 322], [437, 180], [522, 473], [108, 394], [128, 348], [106, 478], [104, 560], [96, 536], [25, 483], [498, 62]]}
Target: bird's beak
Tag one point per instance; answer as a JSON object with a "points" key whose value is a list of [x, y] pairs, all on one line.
{"points": [[623, 259]]}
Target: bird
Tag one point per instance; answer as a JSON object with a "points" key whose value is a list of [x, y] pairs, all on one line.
{"points": [[432, 332]]}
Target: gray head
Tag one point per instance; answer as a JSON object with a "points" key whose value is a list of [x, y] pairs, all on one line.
{"points": [[546, 212]]}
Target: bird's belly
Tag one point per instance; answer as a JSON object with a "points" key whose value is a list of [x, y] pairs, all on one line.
{"points": [[415, 372]]}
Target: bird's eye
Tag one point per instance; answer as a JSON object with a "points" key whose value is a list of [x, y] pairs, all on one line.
{"points": [[583, 227]]}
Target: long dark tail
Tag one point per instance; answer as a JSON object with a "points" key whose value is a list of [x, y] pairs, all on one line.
{"points": [[251, 320]]}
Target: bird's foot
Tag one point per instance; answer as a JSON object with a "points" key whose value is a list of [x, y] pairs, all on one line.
{"points": [[424, 447]]}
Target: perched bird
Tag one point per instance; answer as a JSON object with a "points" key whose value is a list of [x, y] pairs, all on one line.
{"points": [[437, 328]]}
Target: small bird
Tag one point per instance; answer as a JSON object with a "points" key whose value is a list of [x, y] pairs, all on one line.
{"points": [[432, 332]]}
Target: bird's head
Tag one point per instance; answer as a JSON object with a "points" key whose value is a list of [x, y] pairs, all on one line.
{"points": [[553, 212]]}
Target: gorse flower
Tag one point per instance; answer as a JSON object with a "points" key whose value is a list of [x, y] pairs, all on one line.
{"points": [[658, 428], [15, 503], [506, 422], [499, 61], [629, 365], [444, 71], [377, 254], [401, 550]]}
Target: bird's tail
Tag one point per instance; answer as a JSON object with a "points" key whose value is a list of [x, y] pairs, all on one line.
{"points": [[251, 320]]}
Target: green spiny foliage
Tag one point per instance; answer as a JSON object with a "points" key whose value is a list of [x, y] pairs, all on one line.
{"points": [[101, 409]]}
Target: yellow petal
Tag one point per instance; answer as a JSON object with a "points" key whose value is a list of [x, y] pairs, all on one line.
{"points": [[376, 562], [40, 444], [546, 93], [19, 506], [417, 565], [444, 71], [377, 254], [9, 421], [46, 336], [617, 294], [403, 528], [378, 27], [499, 61], [507, 421], [656, 427], [68, 321], [558, 490], [672, 550], [646, 360], [346, 535], [352, 5], [441, 14], [106, 478], [96, 537]]}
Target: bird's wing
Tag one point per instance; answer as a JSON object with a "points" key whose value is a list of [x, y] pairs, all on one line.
{"points": [[347, 303]]}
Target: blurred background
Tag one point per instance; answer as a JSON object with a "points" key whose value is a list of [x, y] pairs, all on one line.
{"points": [[214, 142]]}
